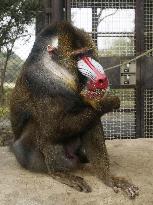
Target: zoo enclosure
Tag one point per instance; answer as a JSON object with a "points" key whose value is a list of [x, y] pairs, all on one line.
{"points": [[121, 29]]}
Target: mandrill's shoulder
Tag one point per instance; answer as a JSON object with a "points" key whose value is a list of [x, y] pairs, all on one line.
{"points": [[41, 84]]}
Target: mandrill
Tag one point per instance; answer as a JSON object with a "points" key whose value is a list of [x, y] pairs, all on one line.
{"points": [[56, 106]]}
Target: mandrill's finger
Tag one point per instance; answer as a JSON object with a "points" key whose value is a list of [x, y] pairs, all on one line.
{"points": [[116, 102], [132, 192], [116, 189]]}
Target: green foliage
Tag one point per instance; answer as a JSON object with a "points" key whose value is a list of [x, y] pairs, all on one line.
{"points": [[7, 92], [14, 16], [13, 67], [4, 110]]}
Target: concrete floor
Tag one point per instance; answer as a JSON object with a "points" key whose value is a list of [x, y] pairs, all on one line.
{"points": [[130, 158]]}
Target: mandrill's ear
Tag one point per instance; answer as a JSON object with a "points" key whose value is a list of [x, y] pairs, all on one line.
{"points": [[51, 49], [53, 52], [78, 53]]}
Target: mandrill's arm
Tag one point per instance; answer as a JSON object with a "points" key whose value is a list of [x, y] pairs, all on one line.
{"points": [[77, 122], [77, 116]]}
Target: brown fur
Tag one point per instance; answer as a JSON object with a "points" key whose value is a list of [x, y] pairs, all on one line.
{"points": [[51, 119]]}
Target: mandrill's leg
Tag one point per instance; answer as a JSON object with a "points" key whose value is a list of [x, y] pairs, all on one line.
{"points": [[96, 151], [59, 167], [94, 144]]}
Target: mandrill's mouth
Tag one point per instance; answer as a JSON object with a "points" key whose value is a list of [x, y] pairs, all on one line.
{"points": [[93, 94], [99, 84]]}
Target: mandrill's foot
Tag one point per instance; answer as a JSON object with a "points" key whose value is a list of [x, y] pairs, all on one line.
{"points": [[73, 181], [118, 183]]}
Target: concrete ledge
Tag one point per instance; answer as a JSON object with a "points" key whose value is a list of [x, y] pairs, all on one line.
{"points": [[130, 158]]}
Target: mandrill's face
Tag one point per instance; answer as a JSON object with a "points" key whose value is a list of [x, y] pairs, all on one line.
{"points": [[97, 81]]}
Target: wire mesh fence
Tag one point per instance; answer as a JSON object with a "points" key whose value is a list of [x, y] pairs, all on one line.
{"points": [[148, 113], [148, 24], [112, 26], [11, 62], [120, 124], [110, 23]]}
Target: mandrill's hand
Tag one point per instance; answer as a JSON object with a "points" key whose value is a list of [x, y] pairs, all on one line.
{"points": [[108, 104], [104, 104], [113, 101]]}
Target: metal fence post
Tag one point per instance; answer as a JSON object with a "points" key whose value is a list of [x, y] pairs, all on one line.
{"points": [[68, 10], [139, 22], [57, 10]]}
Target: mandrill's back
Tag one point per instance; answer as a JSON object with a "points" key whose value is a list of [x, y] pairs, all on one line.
{"points": [[27, 107], [41, 85], [19, 107], [47, 89]]}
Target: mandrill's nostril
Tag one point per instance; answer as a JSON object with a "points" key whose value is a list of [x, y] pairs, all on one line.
{"points": [[101, 80]]}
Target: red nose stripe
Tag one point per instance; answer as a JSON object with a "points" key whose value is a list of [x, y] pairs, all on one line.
{"points": [[88, 62]]}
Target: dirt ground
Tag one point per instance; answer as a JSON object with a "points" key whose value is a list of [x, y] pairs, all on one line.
{"points": [[130, 158]]}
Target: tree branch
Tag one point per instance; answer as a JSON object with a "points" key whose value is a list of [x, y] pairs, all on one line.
{"points": [[101, 19]]}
